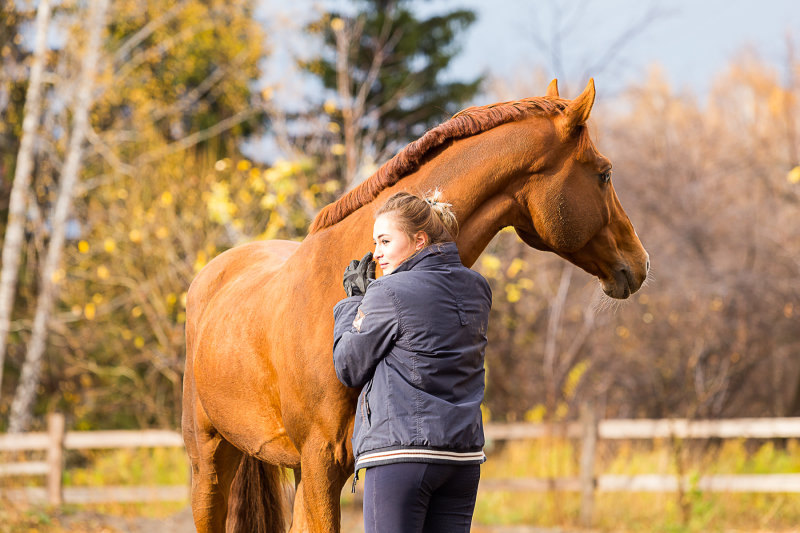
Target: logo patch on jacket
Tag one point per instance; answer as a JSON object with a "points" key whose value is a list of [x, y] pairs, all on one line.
{"points": [[359, 319]]}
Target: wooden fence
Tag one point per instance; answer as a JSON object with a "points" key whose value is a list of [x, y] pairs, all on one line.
{"points": [[588, 430], [56, 440]]}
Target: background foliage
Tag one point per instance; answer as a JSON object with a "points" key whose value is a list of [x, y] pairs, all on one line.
{"points": [[712, 187]]}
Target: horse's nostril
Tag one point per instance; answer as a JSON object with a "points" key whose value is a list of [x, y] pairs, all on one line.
{"points": [[647, 266]]}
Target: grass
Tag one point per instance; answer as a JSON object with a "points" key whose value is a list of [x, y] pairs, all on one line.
{"points": [[125, 467], [695, 511], [660, 513]]}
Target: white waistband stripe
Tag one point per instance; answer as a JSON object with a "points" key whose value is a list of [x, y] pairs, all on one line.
{"points": [[366, 459]]}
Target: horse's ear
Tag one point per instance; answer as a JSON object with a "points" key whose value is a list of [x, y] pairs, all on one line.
{"points": [[577, 112], [552, 89]]}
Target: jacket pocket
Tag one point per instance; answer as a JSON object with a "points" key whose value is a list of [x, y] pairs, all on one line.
{"points": [[462, 315], [366, 412]]}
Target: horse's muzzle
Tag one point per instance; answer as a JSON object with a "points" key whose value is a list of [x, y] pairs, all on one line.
{"points": [[622, 284]]}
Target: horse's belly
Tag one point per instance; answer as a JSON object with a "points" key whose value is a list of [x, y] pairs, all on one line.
{"points": [[243, 404]]}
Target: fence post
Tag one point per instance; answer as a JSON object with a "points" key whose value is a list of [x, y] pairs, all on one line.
{"points": [[588, 446], [55, 457]]}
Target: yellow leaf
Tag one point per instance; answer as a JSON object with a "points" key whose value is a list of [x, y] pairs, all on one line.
{"points": [[201, 261], [162, 232], [245, 196], [109, 245], [516, 265], [329, 106], [337, 149], [794, 175], [337, 24], [513, 294], [58, 275], [243, 165], [490, 264], [103, 272], [83, 247], [136, 312], [166, 198], [89, 311], [138, 342], [490, 261], [135, 236], [574, 377], [536, 413]]}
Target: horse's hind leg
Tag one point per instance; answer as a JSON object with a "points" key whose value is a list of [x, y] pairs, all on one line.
{"points": [[213, 470]]}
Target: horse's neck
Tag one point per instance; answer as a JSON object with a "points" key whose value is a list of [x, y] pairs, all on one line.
{"points": [[474, 175]]}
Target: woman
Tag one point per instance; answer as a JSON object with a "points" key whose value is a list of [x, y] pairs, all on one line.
{"points": [[414, 340]]}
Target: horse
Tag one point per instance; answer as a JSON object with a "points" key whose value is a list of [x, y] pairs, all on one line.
{"points": [[260, 394]]}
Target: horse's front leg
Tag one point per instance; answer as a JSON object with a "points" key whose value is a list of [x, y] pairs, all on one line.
{"points": [[326, 466]]}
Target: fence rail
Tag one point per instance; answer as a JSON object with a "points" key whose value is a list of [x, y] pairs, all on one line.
{"points": [[55, 441]]}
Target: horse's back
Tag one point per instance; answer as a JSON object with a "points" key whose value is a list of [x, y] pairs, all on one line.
{"points": [[259, 258]]}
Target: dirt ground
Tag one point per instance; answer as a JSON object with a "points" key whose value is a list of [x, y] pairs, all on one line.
{"points": [[181, 522]]}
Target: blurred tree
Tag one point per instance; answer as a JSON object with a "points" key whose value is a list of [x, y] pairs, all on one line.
{"points": [[121, 329], [384, 68], [173, 80], [22, 407], [13, 84], [13, 237], [180, 73]]}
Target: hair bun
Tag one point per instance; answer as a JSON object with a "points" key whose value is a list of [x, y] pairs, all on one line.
{"points": [[444, 211]]}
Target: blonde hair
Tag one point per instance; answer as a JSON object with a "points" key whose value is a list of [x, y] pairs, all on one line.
{"points": [[431, 215]]}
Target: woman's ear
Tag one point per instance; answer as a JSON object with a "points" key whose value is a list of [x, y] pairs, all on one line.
{"points": [[420, 240]]}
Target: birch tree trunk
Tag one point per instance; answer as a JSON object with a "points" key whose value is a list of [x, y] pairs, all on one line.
{"points": [[12, 244], [22, 407]]}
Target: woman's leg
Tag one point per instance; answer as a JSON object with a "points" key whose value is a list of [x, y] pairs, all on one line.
{"points": [[453, 501], [395, 498]]}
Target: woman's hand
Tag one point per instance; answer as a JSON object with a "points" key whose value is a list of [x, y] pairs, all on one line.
{"points": [[358, 275]]}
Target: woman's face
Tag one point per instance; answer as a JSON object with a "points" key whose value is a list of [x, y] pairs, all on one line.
{"points": [[392, 245]]}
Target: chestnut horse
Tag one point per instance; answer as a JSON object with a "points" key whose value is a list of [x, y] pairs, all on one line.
{"points": [[260, 393]]}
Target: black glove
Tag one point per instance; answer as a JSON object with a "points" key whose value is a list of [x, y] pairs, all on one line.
{"points": [[358, 275]]}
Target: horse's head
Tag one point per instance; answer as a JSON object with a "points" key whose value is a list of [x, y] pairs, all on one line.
{"points": [[574, 211]]}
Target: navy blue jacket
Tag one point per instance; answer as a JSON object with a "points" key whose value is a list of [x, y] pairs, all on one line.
{"points": [[415, 343]]}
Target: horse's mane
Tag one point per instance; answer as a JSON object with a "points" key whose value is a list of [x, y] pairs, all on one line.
{"points": [[466, 123]]}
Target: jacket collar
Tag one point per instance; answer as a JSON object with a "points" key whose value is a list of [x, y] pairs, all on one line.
{"points": [[435, 254]]}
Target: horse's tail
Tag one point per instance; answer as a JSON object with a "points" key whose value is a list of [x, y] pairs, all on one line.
{"points": [[257, 497]]}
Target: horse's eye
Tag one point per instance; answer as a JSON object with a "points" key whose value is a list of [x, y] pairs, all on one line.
{"points": [[605, 177]]}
